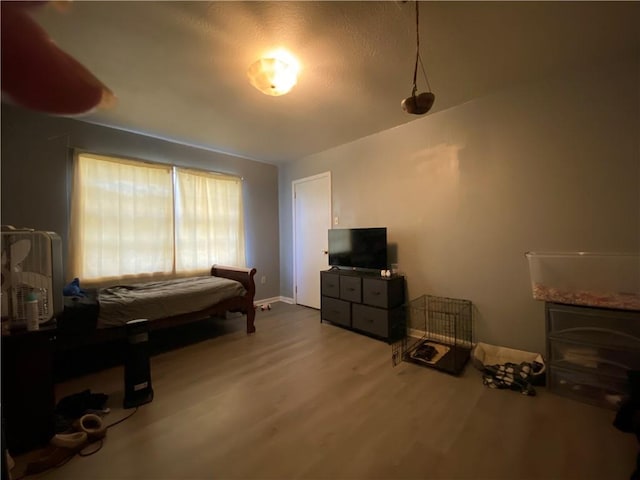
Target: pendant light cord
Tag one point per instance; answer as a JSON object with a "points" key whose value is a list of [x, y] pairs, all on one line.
{"points": [[418, 57], [415, 68]]}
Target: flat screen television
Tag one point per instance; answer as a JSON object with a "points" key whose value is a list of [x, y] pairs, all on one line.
{"points": [[358, 248]]}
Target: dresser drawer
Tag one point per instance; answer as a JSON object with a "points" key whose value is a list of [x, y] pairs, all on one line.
{"points": [[599, 390], [330, 284], [610, 328], [335, 311], [600, 360], [383, 293], [351, 288], [371, 320]]}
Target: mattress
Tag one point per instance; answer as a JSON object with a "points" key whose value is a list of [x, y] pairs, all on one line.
{"points": [[160, 299]]}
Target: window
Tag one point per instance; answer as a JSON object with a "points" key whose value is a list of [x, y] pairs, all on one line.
{"points": [[208, 220], [136, 219]]}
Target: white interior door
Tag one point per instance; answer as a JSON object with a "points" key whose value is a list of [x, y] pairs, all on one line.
{"points": [[311, 220]]}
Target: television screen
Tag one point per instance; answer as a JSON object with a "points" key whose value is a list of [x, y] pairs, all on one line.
{"points": [[358, 248]]}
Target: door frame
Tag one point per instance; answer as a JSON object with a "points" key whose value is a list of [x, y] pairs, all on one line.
{"points": [[293, 208]]}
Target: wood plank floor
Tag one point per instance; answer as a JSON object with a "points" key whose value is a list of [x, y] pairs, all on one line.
{"points": [[301, 399]]}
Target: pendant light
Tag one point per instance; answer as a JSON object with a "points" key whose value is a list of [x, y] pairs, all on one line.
{"points": [[421, 103]]}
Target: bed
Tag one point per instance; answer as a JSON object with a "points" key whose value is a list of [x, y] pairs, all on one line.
{"points": [[101, 315]]}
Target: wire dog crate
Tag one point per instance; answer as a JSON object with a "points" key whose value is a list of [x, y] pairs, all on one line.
{"points": [[439, 334]]}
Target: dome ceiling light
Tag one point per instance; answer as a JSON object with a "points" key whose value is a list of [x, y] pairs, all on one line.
{"points": [[275, 74]]}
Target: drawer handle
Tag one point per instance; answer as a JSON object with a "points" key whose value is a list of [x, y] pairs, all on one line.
{"points": [[376, 293], [351, 289]]}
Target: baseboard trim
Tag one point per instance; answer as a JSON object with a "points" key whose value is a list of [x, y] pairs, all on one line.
{"points": [[273, 300]]}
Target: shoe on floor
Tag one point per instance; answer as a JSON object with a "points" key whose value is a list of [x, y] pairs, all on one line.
{"points": [[61, 448], [69, 440]]}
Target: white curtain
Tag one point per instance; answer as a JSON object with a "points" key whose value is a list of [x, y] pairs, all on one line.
{"points": [[131, 219], [209, 220], [121, 218]]}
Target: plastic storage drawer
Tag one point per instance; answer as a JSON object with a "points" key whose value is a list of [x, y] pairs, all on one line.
{"points": [[598, 390], [597, 359], [612, 328]]}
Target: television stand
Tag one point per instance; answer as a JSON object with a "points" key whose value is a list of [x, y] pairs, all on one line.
{"points": [[363, 302]]}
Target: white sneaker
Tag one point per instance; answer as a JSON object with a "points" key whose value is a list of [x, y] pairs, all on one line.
{"points": [[69, 440]]}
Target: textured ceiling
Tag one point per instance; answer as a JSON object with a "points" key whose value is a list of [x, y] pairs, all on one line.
{"points": [[179, 68]]}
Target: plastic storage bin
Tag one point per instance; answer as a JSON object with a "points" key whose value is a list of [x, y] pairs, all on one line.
{"points": [[609, 280], [590, 352]]}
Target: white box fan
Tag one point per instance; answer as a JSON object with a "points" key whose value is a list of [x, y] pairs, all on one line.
{"points": [[31, 265]]}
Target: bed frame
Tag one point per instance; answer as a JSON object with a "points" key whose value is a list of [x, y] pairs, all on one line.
{"points": [[238, 304], [67, 339], [242, 304]]}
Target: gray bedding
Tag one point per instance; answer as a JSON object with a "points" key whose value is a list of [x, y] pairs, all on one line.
{"points": [[153, 300]]}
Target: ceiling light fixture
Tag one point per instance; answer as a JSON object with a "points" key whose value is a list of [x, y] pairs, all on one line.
{"points": [[421, 103], [275, 74]]}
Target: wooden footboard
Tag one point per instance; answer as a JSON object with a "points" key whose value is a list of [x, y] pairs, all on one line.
{"points": [[243, 304]]}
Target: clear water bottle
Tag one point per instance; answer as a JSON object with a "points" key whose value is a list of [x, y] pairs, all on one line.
{"points": [[32, 311]]}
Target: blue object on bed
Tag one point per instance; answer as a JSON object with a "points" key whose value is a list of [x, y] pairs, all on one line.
{"points": [[72, 289]]}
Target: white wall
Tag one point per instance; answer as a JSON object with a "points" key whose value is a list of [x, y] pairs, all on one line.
{"points": [[551, 165]]}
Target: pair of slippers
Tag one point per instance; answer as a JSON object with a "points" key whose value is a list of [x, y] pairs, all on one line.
{"points": [[89, 429]]}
